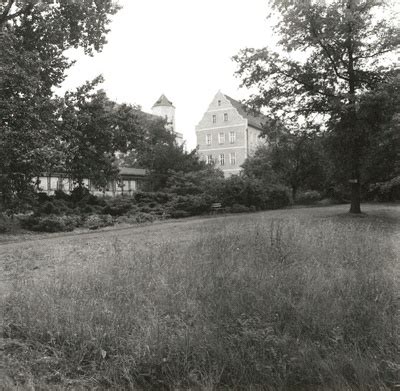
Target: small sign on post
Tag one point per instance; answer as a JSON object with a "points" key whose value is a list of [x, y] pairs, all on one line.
{"points": [[353, 180]]}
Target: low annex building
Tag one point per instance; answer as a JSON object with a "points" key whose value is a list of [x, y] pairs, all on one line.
{"points": [[227, 134], [131, 180]]}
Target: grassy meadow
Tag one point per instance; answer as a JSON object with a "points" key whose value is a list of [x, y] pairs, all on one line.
{"points": [[295, 299]]}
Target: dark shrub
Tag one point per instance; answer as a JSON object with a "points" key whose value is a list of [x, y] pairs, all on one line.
{"points": [[43, 197], [144, 217], [88, 209], [253, 193], [177, 214], [139, 217], [385, 191], [148, 197], [237, 208], [98, 221], [55, 207], [50, 223], [4, 227], [78, 193], [308, 197], [118, 206], [93, 200], [192, 204], [60, 195], [64, 206], [48, 208], [277, 197]]}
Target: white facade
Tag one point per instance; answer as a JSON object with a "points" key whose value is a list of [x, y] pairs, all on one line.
{"points": [[165, 109], [227, 135]]}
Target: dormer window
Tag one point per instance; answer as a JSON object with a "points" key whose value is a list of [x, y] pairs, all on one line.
{"points": [[214, 119], [225, 117], [219, 103]]}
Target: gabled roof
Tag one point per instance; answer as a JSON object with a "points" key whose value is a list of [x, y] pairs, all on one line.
{"points": [[254, 119], [163, 101]]}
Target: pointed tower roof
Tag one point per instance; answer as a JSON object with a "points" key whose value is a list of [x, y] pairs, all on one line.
{"points": [[163, 101]]}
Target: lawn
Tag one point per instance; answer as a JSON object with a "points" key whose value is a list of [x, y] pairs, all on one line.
{"points": [[289, 299]]}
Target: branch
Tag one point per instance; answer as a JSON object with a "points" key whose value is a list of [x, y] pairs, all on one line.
{"points": [[24, 10], [327, 52], [378, 53], [7, 9], [310, 87]]}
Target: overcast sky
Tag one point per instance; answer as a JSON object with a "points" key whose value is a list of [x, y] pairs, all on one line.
{"points": [[180, 48], [177, 47]]}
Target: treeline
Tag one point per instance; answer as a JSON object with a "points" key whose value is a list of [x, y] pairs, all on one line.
{"points": [[334, 117]]}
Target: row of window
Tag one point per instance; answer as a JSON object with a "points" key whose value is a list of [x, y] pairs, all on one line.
{"points": [[221, 138], [214, 118], [52, 183], [221, 159]]}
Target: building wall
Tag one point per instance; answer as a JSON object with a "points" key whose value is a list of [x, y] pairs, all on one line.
{"points": [[222, 118], [127, 186], [254, 140], [167, 112]]}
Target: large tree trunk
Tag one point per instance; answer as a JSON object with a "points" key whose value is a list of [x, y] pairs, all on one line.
{"points": [[355, 206], [294, 193], [353, 125]]}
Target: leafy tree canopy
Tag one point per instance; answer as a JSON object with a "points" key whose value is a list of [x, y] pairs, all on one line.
{"points": [[90, 133], [34, 36], [330, 53], [295, 159]]}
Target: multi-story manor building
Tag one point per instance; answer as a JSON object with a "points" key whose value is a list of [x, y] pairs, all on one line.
{"points": [[227, 134]]}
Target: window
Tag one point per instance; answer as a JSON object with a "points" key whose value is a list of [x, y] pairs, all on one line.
{"points": [[214, 119], [221, 138], [232, 137], [232, 158], [208, 139], [60, 184], [225, 117], [209, 159], [219, 103], [222, 159]]}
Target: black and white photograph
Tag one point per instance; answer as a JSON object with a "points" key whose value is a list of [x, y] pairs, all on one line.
{"points": [[200, 195]]}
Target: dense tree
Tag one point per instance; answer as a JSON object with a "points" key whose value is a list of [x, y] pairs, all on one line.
{"points": [[295, 159], [379, 116], [205, 179], [91, 131], [329, 55], [34, 36], [169, 158], [158, 152]]}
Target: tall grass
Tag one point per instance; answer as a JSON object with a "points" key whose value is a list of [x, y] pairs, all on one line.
{"points": [[279, 305]]}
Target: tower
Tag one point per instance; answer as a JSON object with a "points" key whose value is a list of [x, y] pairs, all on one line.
{"points": [[164, 108]]}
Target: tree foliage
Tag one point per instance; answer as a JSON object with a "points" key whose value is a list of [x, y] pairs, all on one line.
{"points": [[34, 36], [158, 151], [91, 131], [329, 55], [294, 159]]}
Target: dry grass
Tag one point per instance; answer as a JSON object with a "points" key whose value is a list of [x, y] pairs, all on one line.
{"points": [[251, 301]]}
